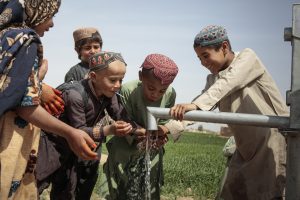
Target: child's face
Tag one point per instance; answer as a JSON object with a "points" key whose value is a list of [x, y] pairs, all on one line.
{"points": [[153, 90], [43, 27], [89, 49], [213, 60], [109, 80]]}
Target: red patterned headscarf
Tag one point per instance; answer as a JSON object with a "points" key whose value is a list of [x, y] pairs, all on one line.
{"points": [[164, 68]]}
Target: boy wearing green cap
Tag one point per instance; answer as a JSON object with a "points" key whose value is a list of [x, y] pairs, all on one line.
{"points": [[240, 83]]}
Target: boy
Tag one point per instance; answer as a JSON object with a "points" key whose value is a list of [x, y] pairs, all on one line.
{"points": [[75, 179], [125, 165], [88, 41], [240, 83]]}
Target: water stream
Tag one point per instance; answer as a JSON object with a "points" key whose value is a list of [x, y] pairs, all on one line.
{"points": [[148, 167]]}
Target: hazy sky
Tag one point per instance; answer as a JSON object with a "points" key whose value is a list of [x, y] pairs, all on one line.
{"points": [[137, 28]]}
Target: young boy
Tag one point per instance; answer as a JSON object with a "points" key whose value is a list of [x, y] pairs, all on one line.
{"points": [[125, 167], [76, 178], [240, 83], [88, 41]]}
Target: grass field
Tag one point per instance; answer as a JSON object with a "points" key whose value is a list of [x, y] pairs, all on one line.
{"points": [[193, 167]]}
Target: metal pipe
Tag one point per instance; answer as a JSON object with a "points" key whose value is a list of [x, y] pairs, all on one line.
{"points": [[151, 122], [220, 117]]}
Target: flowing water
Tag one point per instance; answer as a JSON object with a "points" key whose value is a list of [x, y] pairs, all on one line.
{"points": [[148, 167]]}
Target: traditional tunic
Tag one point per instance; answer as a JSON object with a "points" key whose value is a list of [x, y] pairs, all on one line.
{"points": [[257, 168], [125, 167], [77, 72]]}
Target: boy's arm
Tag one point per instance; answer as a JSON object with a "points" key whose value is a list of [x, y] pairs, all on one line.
{"points": [[245, 69], [175, 128], [75, 111]]}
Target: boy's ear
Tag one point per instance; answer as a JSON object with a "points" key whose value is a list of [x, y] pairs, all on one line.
{"points": [[226, 44], [225, 47], [92, 75]]}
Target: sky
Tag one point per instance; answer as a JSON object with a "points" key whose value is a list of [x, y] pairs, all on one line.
{"points": [[136, 28]]}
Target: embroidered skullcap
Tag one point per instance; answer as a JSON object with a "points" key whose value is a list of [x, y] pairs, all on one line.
{"points": [[210, 35], [88, 32], [101, 60], [163, 67]]}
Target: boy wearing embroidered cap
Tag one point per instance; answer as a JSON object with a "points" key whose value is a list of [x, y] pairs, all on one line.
{"points": [[240, 83], [76, 178], [125, 164], [88, 41]]}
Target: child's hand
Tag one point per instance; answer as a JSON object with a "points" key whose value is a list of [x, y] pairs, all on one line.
{"points": [[177, 111], [51, 100], [140, 134], [162, 130], [160, 137], [81, 144], [121, 128]]}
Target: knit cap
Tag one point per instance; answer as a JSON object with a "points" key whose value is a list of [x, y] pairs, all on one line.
{"points": [[164, 68], [210, 35]]}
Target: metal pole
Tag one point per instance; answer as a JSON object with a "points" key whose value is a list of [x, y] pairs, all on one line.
{"points": [[221, 117], [293, 99]]}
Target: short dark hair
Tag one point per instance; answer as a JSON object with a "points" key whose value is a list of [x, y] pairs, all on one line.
{"points": [[84, 41], [214, 46]]}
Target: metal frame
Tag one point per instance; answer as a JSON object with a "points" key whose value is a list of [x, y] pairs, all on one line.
{"points": [[289, 125]]}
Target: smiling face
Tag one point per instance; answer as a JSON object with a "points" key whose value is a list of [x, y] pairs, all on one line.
{"points": [[153, 90], [211, 58], [215, 59], [109, 80], [43, 27]]}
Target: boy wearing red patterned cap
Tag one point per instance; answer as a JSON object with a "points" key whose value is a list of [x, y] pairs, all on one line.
{"points": [[240, 83], [125, 167]]}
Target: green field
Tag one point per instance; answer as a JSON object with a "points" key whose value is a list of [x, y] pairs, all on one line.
{"points": [[193, 166]]}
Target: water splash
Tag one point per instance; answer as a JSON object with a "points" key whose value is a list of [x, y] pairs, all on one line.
{"points": [[148, 167]]}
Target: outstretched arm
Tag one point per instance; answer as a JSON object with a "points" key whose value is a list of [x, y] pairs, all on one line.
{"points": [[78, 140]]}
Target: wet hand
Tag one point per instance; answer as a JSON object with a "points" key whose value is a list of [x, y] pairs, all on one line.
{"points": [[121, 128], [140, 134]]}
